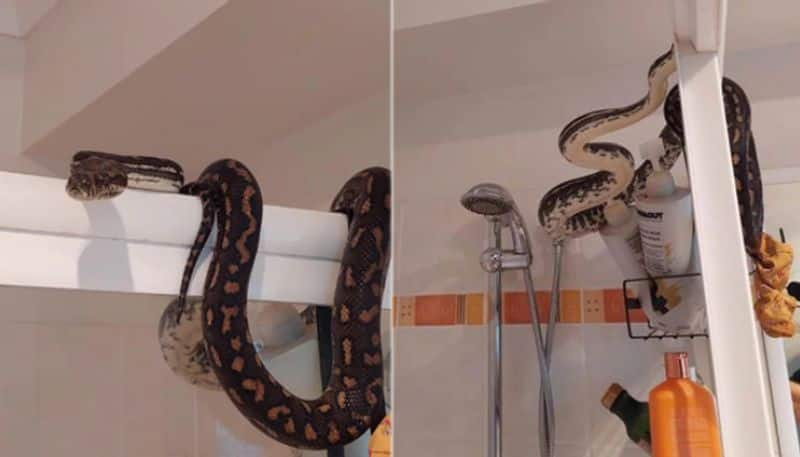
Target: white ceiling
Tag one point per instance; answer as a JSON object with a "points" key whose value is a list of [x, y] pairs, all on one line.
{"points": [[19, 17], [29, 12], [548, 41], [252, 73], [414, 13]]}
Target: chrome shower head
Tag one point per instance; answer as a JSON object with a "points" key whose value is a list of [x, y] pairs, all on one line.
{"points": [[488, 199], [496, 204]]}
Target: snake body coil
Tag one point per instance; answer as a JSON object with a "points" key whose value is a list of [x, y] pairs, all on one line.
{"points": [[575, 207], [353, 400]]}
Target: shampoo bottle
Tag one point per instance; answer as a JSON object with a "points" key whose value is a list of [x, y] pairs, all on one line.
{"points": [[683, 414], [665, 222]]}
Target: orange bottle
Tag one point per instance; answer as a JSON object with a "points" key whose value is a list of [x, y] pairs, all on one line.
{"points": [[683, 414]]}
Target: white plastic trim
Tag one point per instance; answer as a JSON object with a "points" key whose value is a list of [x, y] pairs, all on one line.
{"points": [[737, 353], [700, 22], [40, 204], [778, 372], [139, 242]]}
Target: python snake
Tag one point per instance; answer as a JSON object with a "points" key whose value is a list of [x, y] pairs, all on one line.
{"points": [[353, 400], [746, 171], [575, 207]]}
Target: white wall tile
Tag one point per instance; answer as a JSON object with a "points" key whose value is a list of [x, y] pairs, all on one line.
{"points": [[440, 391], [81, 391], [618, 451], [18, 390], [73, 307], [147, 399], [224, 432], [521, 388], [180, 417], [443, 251]]}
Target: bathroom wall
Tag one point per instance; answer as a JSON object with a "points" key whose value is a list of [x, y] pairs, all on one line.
{"points": [[508, 135], [81, 48], [12, 76], [86, 377]]}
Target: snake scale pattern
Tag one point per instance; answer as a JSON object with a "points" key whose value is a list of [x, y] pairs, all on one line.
{"points": [[746, 171], [353, 400], [575, 207]]}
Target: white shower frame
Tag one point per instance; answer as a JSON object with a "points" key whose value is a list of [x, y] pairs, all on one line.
{"points": [[749, 369], [139, 242]]}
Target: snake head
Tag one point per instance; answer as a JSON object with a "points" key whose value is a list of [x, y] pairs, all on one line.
{"points": [[95, 178]]}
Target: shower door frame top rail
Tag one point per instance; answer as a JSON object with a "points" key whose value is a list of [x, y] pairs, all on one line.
{"points": [[750, 375], [139, 241]]}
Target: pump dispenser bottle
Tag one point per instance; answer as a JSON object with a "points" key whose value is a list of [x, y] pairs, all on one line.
{"points": [[683, 414], [665, 221]]}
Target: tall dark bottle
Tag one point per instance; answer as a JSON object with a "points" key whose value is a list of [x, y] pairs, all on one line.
{"points": [[633, 413]]}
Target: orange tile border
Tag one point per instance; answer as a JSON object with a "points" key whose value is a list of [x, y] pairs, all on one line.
{"points": [[593, 307], [614, 301], [576, 306], [475, 309], [403, 311], [570, 309], [543, 304], [637, 316], [515, 308], [436, 309]]}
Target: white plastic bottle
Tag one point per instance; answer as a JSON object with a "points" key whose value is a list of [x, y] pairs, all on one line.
{"points": [[621, 237], [665, 222]]}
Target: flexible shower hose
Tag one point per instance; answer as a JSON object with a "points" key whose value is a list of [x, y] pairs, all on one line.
{"points": [[544, 349]]}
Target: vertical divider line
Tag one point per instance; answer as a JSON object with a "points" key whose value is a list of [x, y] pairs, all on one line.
{"points": [[392, 232]]}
